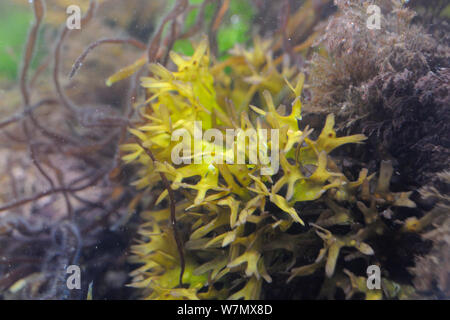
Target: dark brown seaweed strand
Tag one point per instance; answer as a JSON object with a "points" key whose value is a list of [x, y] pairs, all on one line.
{"points": [[20, 115], [59, 177], [64, 99], [220, 14], [129, 111], [15, 260], [12, 137], [90, 12], [90, 204], [44, 65], [132, 94], [35, 161], [173, 218], [284, 20], [212, 34], [199, 22], [170, 41], [108, 213], [39, 10], [76, 66], [13, 180], [153, 48], [53, 134], [25, 200], [28, 111]]}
